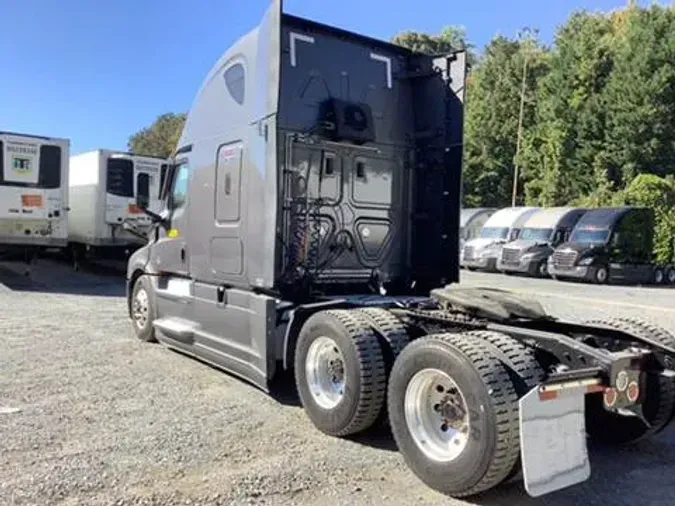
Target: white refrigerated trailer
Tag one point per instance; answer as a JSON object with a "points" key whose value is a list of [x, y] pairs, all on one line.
{"points": [[33, 194], [104, 219]]}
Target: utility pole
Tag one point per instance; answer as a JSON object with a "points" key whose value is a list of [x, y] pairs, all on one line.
{"points": [[523, 88], [520, 133]]}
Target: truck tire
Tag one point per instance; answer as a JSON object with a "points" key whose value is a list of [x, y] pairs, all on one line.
{"points": [[454, 379], [670, 275], [339, 372], [524, 369], [658, 276], [610, 428], [393, 338], [601, 275], [143, 310]]}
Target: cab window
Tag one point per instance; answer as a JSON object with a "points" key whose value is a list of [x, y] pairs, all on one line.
{"points": [[180, 186]]}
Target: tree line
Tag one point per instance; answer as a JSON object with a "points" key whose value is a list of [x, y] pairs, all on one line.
{"points": [[587, 120]]}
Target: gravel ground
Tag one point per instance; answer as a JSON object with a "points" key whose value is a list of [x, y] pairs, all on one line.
{"points": [[91, 416]]}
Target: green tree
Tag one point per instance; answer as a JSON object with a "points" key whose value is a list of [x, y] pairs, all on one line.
{"points": [[160, 138], [658, 194], [563, 153], [451, 38], [641, 94], [492, 116]]}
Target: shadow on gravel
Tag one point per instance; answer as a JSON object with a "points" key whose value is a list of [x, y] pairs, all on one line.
{"points": [[641, 474], [59, 278]]}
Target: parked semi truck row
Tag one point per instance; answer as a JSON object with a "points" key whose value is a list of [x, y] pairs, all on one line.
{"points": [[601, 245], [309, 223], [500, 228], [84, 205]]}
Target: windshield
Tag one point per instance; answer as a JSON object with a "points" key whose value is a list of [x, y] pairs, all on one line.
{"points": [[589, 236], [536, 234], [30, 165], [494, 233]]}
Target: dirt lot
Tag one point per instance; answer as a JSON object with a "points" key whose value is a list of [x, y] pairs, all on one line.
{"points": [[89, 415]]}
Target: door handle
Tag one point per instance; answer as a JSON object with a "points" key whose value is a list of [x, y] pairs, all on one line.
{"points": [[182, 254], [228, 183]]}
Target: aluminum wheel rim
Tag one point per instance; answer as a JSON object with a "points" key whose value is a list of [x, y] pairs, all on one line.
{"points": [[601, 274], [436, 415], [658, 277], [671, 276], [543, 269], [140, 308], [324, 368]]}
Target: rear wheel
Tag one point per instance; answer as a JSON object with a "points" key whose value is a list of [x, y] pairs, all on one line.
{"points": [[393, 337], [670, 275], [658, 276], [612, 428], [339, 372], [520, 361], [454, 414]]}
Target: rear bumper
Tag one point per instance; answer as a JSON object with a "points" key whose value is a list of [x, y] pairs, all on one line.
{"points": [[33, 240]]}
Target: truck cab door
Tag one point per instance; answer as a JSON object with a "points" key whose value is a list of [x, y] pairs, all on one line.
{"points": [[170, 251]]}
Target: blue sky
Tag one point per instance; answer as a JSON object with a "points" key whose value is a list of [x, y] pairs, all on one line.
{"points": [[97, 71]]}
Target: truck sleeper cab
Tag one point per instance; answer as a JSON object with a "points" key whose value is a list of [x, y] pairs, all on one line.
{"points": [[541, 234], [33, 193], [471, 220], [610, 245], [502, 227], [310, 224], [104, 185]]}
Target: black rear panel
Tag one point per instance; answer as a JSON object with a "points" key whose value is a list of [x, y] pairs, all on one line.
{"points": [[120, 177], [370, 148]]}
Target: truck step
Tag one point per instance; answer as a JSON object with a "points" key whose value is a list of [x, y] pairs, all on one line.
{"points": [[177, 328]]}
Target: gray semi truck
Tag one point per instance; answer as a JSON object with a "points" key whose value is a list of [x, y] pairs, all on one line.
{"points": [[611, 245], [540, 235], [310, 224]]}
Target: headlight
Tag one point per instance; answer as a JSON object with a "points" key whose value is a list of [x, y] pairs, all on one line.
{"points": [[586, 261], [527, 256], [488, 252]]}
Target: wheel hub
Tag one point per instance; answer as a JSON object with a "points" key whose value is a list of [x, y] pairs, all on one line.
{"points": [[140, 308], [325, 371], [437, 415]]}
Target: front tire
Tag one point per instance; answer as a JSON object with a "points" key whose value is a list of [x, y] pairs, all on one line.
{"points": [[601, 275], [453, 411], [339, 372], [143, 310]]}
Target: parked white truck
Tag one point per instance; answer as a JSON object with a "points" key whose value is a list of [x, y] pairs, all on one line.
{"points": [[471, 221], [502, 227], [104, 219], [33, 193], [541, 234]]}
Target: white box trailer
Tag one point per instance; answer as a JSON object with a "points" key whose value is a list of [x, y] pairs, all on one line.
{"points": [[103, 188], [33, 193]]}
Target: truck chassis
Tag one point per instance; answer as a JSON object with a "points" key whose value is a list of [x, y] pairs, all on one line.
{"points": [[476, 384]]}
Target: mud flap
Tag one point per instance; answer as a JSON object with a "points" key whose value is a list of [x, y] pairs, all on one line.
{"points": [[553, 440]]}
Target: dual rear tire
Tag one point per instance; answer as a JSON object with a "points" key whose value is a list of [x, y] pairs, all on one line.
{"points": [[451, 399]]}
